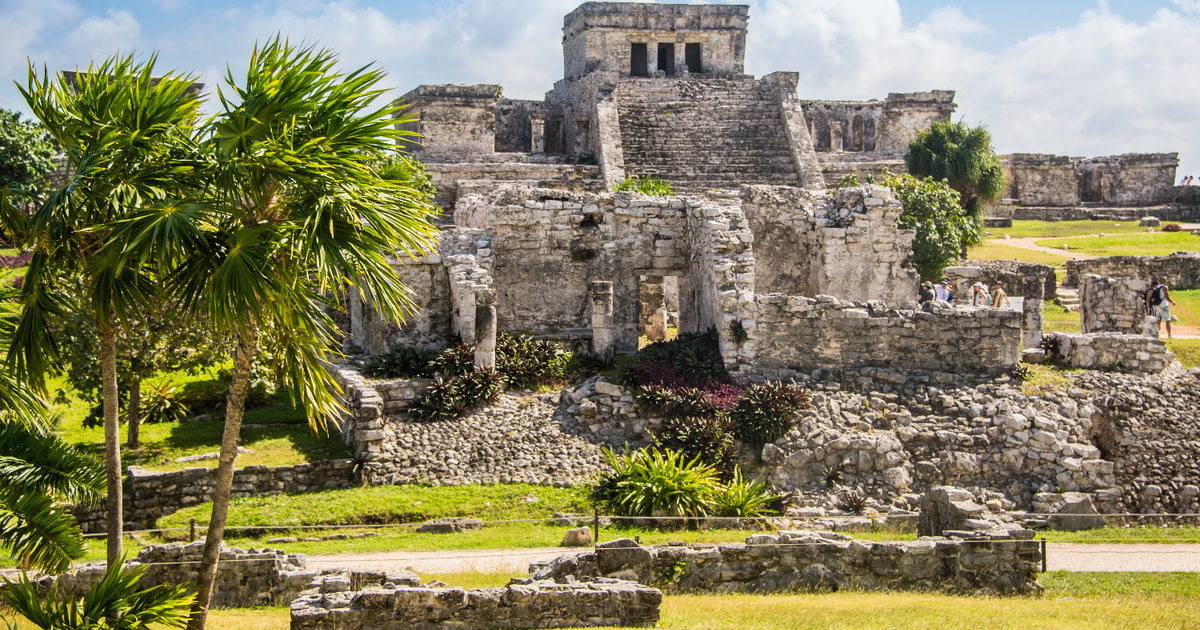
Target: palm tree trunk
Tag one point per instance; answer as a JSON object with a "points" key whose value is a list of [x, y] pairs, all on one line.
{"points": [[135, 411], [114, 518], [235, 407]]}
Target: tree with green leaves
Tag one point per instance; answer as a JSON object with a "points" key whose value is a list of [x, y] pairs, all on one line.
{"points": [[125, 133], [295, 213], [26, 150], [943, 228], [962, 156]]}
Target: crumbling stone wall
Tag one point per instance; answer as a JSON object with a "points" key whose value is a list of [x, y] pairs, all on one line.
{"points": [[245, 579], [1030, 280], [1113, 305], [1135, 354], [807, 561], [332, 605], [1181, 269], [150, 494], [1132, 179], [799, 334], [846, 243]]}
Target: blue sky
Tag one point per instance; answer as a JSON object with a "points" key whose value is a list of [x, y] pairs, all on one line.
{"points": [[1070, 77]]}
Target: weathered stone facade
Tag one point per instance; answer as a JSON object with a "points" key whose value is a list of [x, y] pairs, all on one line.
{"points": [[1134, 354], [1113, 305], [1181, 269], [334, 604], [1120, 180], [806, 561]]}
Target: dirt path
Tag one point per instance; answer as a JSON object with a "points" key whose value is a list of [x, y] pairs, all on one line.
{"points": [[1030, 243], [1059, 556]]}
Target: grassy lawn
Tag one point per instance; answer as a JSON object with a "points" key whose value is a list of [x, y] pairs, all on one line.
{"points": [[1054, 229], [283, 439], [1186, 350], [1144, 244], [1084, 601], [1058, 319]]}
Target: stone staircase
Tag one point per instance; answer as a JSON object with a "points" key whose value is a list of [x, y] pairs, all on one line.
{"points": [[704, 133], [1068, 297]]}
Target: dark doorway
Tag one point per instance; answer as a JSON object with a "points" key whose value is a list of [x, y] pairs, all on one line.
{"points": [[666, 58], [691, 56], [637, 61]]}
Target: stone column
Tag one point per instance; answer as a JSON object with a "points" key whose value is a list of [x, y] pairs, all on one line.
{"points": [[688, 310], [485, 329], [537, 133], [1031, 328], [837, 136], [604, 337], [582, 134], [652, 308]]}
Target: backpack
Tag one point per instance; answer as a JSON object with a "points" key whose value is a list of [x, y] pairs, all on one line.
{"points": [[1156, 295]]}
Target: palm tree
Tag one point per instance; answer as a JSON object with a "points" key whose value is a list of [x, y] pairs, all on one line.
{"points": [[123, 131], [296, 215]]}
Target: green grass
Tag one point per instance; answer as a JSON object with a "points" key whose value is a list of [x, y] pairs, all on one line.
{"points": [[1079, 601], [1144, 244], [290, 441], [1057, 319], [1054, 229], [1173, 534], [1186, 350]]}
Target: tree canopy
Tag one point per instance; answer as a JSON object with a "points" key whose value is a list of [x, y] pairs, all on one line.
{"points": [[962, 156]]}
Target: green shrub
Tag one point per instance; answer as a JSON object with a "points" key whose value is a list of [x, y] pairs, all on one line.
{"points": [[655, 482], [744, 497], [402, 362], [449, 398], [529, 363], [163, 403], [708, 437], [454, 361], [696, 355], [767, 411], [852, 501], [647, 185]]}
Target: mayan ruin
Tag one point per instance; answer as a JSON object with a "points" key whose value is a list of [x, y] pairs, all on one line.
{"points": [[666, 267]]}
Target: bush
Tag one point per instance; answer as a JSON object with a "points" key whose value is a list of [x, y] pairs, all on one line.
{"points": [[454, 361], [767, 411], [1172, 227], [647, 185], [401, 362], [655, 482], [709, 438], [529, 363], [852, 501], [449, 398], [692, 359], [744, 497]]}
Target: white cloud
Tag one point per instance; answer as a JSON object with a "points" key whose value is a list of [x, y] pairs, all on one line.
{"points": [[25, 24], [97, 37]]}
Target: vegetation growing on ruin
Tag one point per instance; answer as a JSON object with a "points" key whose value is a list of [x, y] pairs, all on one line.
{"points": [[647, 185], [963, 157]]}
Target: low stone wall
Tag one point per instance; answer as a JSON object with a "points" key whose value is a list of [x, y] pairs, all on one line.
{"points": [[1182, 269], [808, 561], [522, 604], [1134, 354], [1021, 279], [1113, 304], [150, 495], [245, 579], [799, 334]]}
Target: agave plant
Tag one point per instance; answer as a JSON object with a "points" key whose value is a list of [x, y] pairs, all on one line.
{"points": [[744, 497], [654, 482], [113, 603]]}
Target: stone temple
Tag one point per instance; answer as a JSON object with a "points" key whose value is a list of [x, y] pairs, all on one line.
{"points": [[794, 277]]}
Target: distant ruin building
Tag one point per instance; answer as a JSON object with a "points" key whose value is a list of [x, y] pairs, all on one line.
{"points": [[659, 90]]}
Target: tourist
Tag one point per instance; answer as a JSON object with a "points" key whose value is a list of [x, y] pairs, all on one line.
{"points": [[999, 297], [927, 294], [943, 291], [1158, 303], [979, 295]]}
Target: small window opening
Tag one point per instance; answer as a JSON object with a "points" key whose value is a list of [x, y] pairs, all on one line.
{"points": [[666, 59], [638, 65], [691, 54]]}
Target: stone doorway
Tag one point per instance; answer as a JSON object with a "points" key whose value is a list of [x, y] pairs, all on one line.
{"points": [[666, 59], [638, 61], [658, 308]]}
